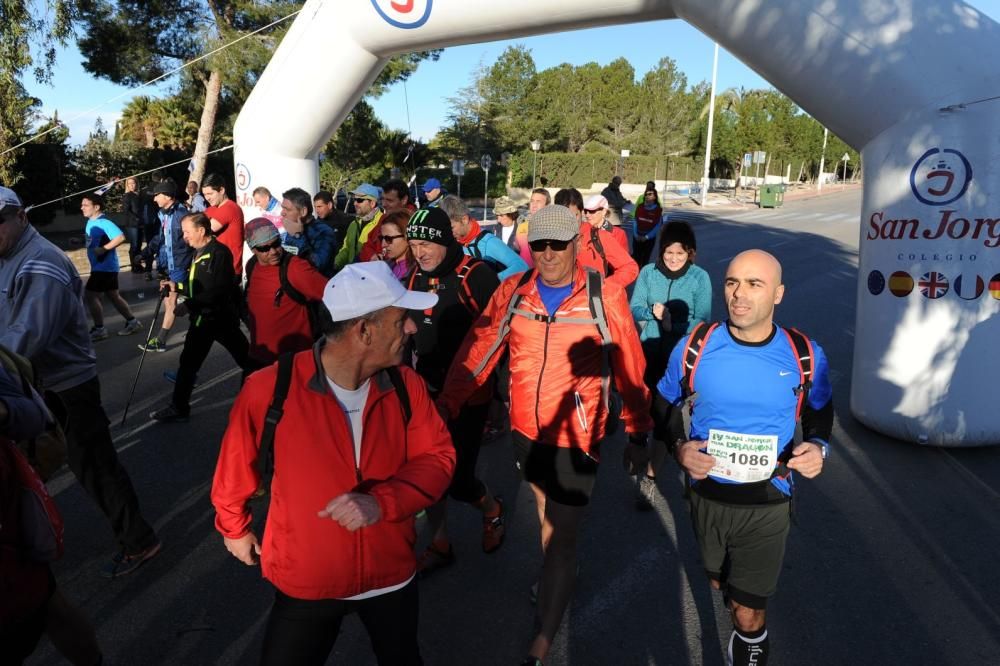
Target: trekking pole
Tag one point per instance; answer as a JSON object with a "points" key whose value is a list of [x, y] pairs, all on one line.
{"points": [[152, 324]]}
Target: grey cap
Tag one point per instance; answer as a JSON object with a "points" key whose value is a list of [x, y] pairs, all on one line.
{"points": [[553, 222], [9, 199]]}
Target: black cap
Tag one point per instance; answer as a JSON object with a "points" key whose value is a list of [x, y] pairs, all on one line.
{"points": [[165, 187]]}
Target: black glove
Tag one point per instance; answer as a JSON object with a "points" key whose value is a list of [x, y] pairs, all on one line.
{"points": [[636, 456], [100, 252]]}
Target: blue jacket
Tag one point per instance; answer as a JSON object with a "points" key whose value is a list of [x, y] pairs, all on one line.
{"points": [[490, 248], [172, 253], [688, 300], [317, 244]]}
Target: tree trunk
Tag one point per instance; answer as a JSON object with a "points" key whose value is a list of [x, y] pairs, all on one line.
{"points": [[213, 87]]}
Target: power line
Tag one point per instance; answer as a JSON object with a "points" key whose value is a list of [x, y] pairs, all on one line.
{"points": [[132, 91], [134, 175]]}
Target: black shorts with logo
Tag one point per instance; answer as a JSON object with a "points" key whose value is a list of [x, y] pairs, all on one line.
{"points": [[102, 281], [566, 475]]}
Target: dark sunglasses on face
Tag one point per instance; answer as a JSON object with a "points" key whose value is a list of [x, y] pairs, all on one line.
{"points": [[591, 211], [264, 249], [388, 239], [361, 199], [556, 245]]}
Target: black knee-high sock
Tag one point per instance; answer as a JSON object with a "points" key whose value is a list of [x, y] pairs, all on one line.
{"points": [[748, 648]]}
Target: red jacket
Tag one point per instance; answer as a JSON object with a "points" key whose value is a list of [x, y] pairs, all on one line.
{"points": [[405, 468], [279, 325], [617, 256], [555, 368]]}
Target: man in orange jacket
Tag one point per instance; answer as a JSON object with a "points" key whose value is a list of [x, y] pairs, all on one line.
{"points": [[359, 450], [568, 332]]}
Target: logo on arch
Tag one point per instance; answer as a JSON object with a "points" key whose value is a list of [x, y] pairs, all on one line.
{"points": [[243, 179], [940, 176], [406, 14]]}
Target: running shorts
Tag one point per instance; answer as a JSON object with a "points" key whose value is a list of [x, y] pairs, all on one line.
{"points": [[565, 475]]}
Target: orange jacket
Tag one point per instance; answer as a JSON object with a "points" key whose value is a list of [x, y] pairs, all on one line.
{"points": [[625, 268], [404, 467], [555, 366]]}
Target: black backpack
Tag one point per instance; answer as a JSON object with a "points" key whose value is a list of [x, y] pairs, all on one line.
{"points": [[313, 308], [276, 409]]}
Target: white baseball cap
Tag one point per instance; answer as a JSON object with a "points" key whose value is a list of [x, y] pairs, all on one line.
{"points": [[9, 198], [366, 287], [595, 202]]}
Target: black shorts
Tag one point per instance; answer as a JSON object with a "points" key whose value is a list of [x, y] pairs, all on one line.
{"points": [[102, 281], [742, 547], [565, 475]]}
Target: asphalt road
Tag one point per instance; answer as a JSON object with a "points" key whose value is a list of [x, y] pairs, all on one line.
{"points": [[893, 559]]}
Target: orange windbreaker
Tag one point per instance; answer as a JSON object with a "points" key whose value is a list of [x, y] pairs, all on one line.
{"points": [[404, 467], [625, 268], [555, 366]]}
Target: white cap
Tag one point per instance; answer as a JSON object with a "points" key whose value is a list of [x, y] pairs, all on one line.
{"points": [[595, 202], [8, 198], [366, 287]]}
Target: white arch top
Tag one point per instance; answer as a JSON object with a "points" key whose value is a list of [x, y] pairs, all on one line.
{"points": [[891, 77]]}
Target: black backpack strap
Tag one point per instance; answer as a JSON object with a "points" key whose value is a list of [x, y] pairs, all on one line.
{"points": [[286, 285], [802, 348], [595, 301], [396, 377], [265, 455], [248, 269], [693, 348], [595, 240]]}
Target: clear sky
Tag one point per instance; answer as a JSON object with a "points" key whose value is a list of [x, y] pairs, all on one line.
{"points": [[76, 94]]}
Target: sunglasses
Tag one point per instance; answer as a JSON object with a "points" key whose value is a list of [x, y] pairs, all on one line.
{"points": [[556, 245], [361, 199], [388, 239], [591, 211], [264, 249]]}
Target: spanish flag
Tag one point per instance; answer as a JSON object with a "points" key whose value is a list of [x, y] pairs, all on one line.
{"points": [[901, 284]]}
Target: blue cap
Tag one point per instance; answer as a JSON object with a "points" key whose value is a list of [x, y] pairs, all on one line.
{"points": [[431, 184], [366, 190]]}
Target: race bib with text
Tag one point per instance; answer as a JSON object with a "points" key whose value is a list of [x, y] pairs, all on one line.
{"points": [[742, 458]]}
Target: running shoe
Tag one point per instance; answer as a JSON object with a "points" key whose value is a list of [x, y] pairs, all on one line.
{"points": [[123, 563], [433, 559], [154, 345], [645, 492], [169, 414], [493, 529], [98, 333], [131, 327]]}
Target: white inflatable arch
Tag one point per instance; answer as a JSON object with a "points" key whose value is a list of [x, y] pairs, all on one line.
{"points": [[911, 83]]}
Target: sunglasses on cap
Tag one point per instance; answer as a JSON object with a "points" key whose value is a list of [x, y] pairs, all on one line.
{"points": [[264, 249], [556, 245]]}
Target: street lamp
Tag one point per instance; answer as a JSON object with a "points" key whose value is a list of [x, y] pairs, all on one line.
{"points": [[535, 145]]}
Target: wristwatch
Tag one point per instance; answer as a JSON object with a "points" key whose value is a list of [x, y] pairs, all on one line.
{"points": [[824, 447]]}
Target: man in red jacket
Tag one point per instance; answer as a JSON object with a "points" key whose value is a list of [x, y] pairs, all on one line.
{"points": [[568, 337], [358, 451]]}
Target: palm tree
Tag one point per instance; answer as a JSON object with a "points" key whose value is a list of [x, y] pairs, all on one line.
{"points": [[140, 120]]}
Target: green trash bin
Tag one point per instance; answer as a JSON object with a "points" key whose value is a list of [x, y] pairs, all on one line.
{"points": [[772, 196]]}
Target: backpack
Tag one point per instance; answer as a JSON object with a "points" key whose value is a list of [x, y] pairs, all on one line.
{"points": [[694, 347], [465, 296], [45, 452], [595, 241], [595, 302], [41, 525], [313, 308], [476, 253], [276, 409]]}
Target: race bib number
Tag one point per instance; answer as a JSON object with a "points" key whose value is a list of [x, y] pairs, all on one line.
{"points": [[742, 458], [291, 249]]}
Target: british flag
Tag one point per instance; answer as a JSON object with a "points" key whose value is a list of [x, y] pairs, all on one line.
{"points": [[933, 284]]}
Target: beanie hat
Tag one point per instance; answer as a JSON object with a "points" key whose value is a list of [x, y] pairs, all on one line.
{"points": [[432, 225], [553, 222], [678, 232], [165, 187]]}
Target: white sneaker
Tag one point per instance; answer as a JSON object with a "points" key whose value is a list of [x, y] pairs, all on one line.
{"points": [[131, 327], [98, 333]]}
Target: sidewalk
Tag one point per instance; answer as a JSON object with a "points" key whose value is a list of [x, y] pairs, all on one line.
{"points": [[746, 199]]}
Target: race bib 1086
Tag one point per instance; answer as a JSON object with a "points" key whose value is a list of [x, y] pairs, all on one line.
{"points": [[742, 458]]}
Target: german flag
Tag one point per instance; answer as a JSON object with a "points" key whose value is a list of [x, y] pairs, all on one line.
{"points": [[901, 284], [995, 286]]}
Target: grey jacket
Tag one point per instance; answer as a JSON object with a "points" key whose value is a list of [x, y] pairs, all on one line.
{"points": [[42, 315]]}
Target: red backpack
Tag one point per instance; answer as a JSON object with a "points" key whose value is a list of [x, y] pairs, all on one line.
{"points": [[40, 536]]}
